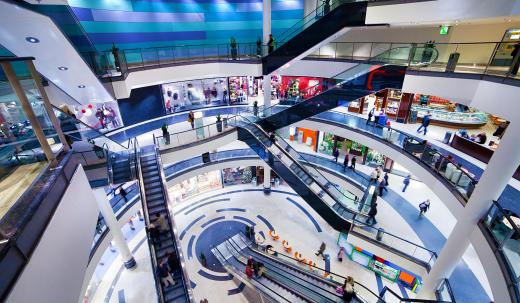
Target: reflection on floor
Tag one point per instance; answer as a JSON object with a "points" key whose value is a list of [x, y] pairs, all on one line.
{"points": [[14, 185]]}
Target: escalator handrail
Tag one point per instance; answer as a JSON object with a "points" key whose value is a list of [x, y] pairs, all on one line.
{"points": [[303, 168], [313, 274], [296, 277], [158, 284], [110, 172], [237, 271], [409, 300], [188, 291]]}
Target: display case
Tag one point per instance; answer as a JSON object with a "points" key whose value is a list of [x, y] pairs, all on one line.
{"points": [[453, 119], [385, 270], [354, 106]]}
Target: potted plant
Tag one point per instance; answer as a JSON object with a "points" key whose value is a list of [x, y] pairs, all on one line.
{"points": [[203, 259], [165, 134], [233, 46], [219, 123]]}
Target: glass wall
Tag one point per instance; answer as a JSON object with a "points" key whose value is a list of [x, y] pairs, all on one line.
{"points": [[186, 95], [195, 185]]}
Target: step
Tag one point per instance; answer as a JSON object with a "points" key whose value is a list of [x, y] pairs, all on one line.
{"points": [[155, 197], [150, 174], [153, 191], [155, 203], [152, 185], [174, 292]]}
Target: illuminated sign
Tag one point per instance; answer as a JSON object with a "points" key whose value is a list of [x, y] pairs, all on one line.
{"points": [[444, 29]]}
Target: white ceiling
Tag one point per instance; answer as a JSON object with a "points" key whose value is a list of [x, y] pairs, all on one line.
{"points": [[53, 50]]}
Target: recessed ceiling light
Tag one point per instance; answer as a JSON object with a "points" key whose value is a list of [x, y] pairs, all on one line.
{"points": [[63, 68], [32, 40], [81, 86]]}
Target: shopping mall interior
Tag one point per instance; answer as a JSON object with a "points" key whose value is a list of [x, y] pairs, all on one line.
{"points": [[196, 151]]}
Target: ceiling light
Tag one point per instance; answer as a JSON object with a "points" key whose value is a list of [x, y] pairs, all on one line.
{"points": [[32, 40], [63, 68], [81, 86]]}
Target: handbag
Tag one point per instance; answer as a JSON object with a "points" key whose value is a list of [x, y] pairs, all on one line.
{"points": [[339, 290]]}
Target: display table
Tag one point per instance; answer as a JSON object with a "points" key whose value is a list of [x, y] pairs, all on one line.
{"points": [[475, 150]]}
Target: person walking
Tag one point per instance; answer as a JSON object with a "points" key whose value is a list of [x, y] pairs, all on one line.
{"points": [[370, 115], [385, 177], [321, 250], [425, 123], [424, 206], [154, 234], [372, 214], [191, 119], [381, 187], [123, 193], [406, 182], [374, 175], [345, 162], [335, 153], [326, 7], [270, 44], [353, 163], [173, 262], [164, 274], [348, 290]]}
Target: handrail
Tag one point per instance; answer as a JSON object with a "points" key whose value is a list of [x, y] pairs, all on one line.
{"points": [[110, 172], [184, 271], [146, 215], [385, 289]]}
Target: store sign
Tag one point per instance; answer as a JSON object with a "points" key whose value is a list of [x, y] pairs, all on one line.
{"points": [[444, 29]]}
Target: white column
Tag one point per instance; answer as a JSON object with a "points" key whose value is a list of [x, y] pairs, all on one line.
{"points": [[115, 230], [267, 177], [266, 84], [309, 6], [495, 178], [266, 20]]}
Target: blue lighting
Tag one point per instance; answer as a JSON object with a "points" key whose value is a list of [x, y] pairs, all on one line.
{"points": [[32, 39]]}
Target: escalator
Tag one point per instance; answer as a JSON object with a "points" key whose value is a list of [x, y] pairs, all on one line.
{"points": [[155, 203], [329, 18], [307, 181], [292, 278]]}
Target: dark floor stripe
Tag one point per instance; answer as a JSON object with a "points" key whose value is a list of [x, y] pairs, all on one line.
{"points": [[212, 220], [379, 283], [231, 209], [237, 290], [245, 220], [318, 228], [193, 284], [183, 233], [121, 296], [261, 234], [204, 204], [403, 290], [269, 225], [190, 247], [213, 277]]}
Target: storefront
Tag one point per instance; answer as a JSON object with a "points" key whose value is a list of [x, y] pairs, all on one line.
{"points": [[185, 95], [99, 115], [300, 88], [238, 175], [196, 185]]}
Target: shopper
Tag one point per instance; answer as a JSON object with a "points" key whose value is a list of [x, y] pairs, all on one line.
{"points": [[154, 234], [123, 193], [341, 253], [326, 7], [370, 115], [348, 289], [516, 59], [424, 123], [373, 176], [191, 119], [250, 261], [261, 269], [385, 177], [353, 163], [249, 272], [424, 206], [406, 182], [161, 222], [270, 44], [321, 250], [499, 132], [381, 187], [131, 224], [372, 213], [345, 162], [335, 153], [165, 275]]}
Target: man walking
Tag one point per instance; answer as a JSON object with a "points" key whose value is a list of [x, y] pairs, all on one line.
{"points": [[353, 163], [321, 250], [406, 182], [345, 162], [372, 214], [424, 206], [424, 123]]}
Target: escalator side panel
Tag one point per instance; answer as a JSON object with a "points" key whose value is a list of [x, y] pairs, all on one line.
{"points": [[334, 219], [345, 15]]}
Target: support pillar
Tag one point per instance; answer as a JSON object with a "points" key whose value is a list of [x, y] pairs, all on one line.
{"points": [[115, 230], [267, 178], [266, 20], [29, 112], [47, 104], [495, 178], [266, 84]]}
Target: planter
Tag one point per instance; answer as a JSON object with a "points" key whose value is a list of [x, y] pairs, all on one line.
{"points": [[219, 126]]}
